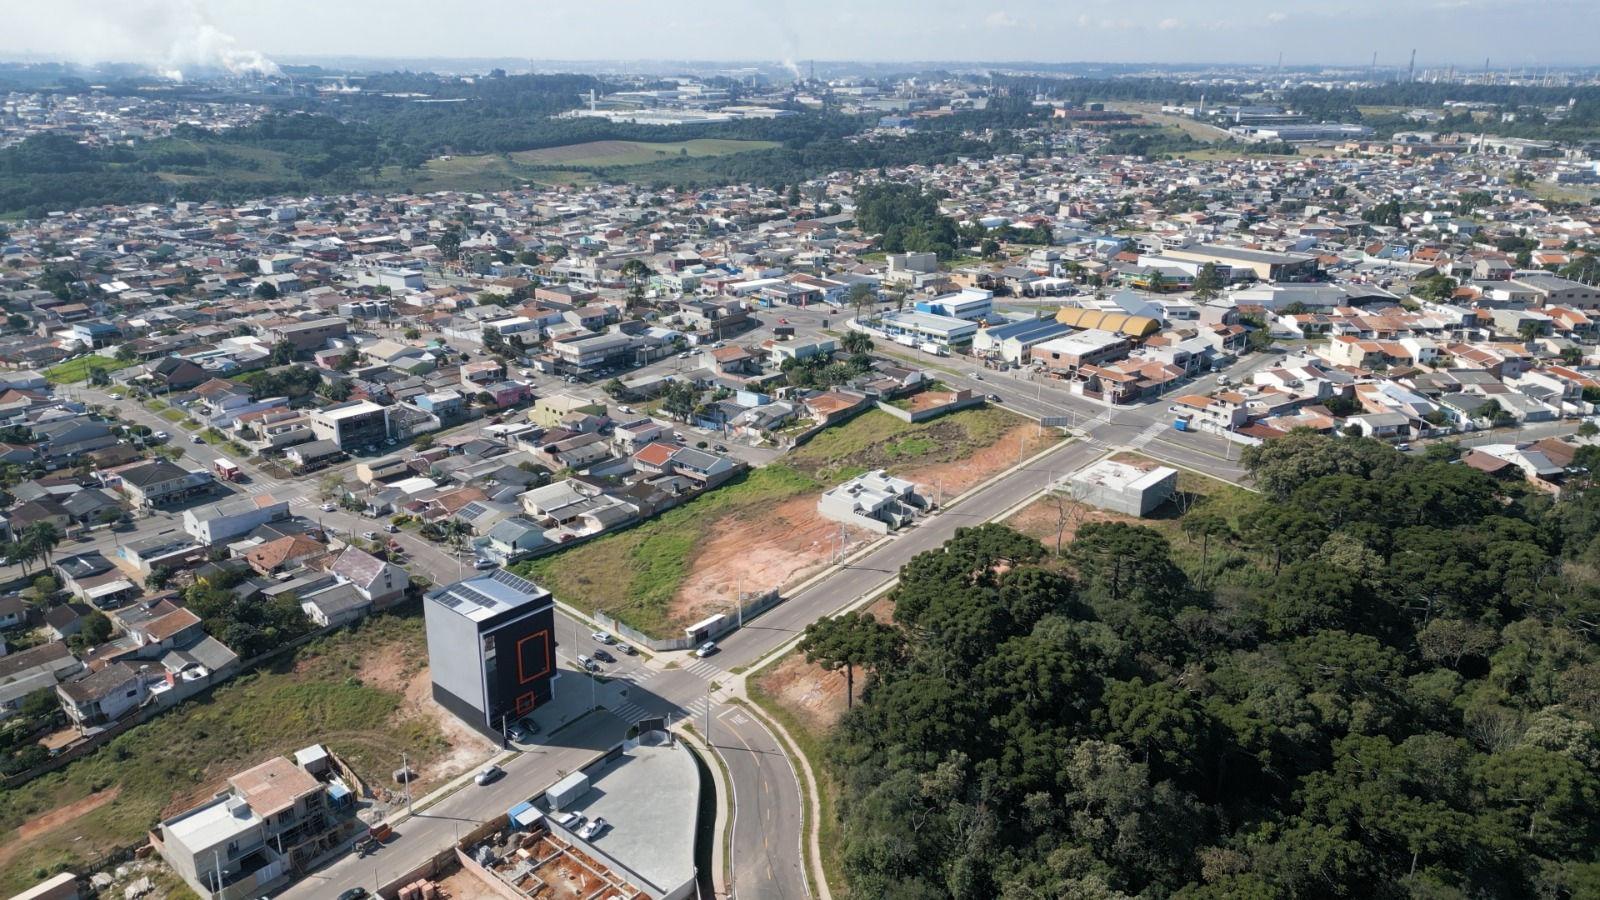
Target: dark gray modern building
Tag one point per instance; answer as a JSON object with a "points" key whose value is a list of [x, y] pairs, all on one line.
{"points": [[491, 648]]}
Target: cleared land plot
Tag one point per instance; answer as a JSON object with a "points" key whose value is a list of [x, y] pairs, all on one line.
{"points": [[596, 154], [78, 369], [763, 531], [571, 164], [1044, 517], [362, 691]]}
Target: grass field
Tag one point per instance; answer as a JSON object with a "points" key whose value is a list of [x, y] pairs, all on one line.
{"points": [[578, 164], [635, 574], [596, 154], [315, 695], [78, 369]]}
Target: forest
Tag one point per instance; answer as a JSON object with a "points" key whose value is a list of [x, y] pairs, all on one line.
{"points": [[1376, 678]]}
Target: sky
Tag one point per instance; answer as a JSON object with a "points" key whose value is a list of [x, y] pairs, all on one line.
{"points": [[249, 34]]}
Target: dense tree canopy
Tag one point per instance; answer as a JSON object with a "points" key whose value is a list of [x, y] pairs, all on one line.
{"points": [[1379, 678]]}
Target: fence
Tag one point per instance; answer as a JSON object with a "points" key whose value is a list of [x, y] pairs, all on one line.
{"points": [[748, 609], [932, 412]]}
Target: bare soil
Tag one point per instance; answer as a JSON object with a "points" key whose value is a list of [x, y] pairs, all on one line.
{"points": [[956, 476], [399, 665], [55, 818], [783, 545], [812, 693]]}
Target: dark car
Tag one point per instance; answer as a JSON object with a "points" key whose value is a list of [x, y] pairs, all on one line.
{"points": [[604, 656], [355, 893]]}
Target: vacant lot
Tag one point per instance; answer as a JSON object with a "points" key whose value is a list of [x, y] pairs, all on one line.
{"points": [[576, 164], [597, 154], [78, 369], [1043, 518], [762, 531], [356, 690]]}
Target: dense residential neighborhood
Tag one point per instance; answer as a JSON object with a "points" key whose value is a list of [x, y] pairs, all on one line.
{"points": [[1022, 482]]}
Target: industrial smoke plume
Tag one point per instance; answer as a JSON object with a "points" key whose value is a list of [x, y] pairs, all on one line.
{"points": [[172, 37]]}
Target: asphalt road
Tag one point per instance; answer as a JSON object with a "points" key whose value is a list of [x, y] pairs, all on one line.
{"points": [[765, 858]]}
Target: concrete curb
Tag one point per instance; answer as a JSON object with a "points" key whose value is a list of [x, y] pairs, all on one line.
{"points": [[719, 775]]}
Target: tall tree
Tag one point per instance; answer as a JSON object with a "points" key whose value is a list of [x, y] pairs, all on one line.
{"points": [[848, 641]]}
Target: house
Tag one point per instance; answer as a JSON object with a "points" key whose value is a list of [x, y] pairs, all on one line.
{"points": [[513, 539], [103, 697], [380, 583], [65, 620], [873, 500], [491, 648], [284, 553], [337, 604], [37, 668], [247, 841], [158, 483], [174, 373]]}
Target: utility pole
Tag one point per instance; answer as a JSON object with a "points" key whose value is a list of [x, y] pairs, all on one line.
{"points": [[405, 771]]}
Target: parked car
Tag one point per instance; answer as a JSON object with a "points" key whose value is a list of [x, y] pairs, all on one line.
{"points": [[196, 439], [369, 535], [706, 649], [604, 656], [391, 528], [480, 563], [594, 829], [625, 648], [355, 893], [491, 774], [570, 820], [160, 436], [588, 664], [719, 448], [603, 637], [328, 507]]}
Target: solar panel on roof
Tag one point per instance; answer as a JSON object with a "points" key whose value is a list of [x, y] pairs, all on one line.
{"points": [[515, 582], [468, 592], [448, 600]]}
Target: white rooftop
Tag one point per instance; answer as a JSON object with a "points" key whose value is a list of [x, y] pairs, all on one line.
{"points": [[1122, 476], [215, 823]]}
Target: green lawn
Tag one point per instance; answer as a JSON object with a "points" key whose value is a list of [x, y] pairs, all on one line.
{"points": [[173, 415], [313, 696], [78, 369], [634, 574]]}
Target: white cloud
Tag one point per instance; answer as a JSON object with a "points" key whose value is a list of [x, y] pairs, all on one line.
{"points": [[1170, 24], [1001, 19], [1276, 17]]}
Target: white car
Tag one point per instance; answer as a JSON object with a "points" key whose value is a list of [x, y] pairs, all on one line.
{"points": [[603, 637], [592, 830], [488, 775], [160, 436], [706, 649], [328, 507], [570, 820], [625, 649]]}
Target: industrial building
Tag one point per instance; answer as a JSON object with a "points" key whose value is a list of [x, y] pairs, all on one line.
{"points": [[491, 648]]}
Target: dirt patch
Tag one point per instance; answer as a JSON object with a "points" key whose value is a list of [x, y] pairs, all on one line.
{"points": [[812, 693], [757, 552], [463, 885], [951, 478], [1041, 518], [55, 818], [397, 665]]}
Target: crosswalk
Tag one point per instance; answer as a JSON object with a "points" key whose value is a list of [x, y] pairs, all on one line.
{"points": [[1149, 434], [631, 711], [702, 669]]}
